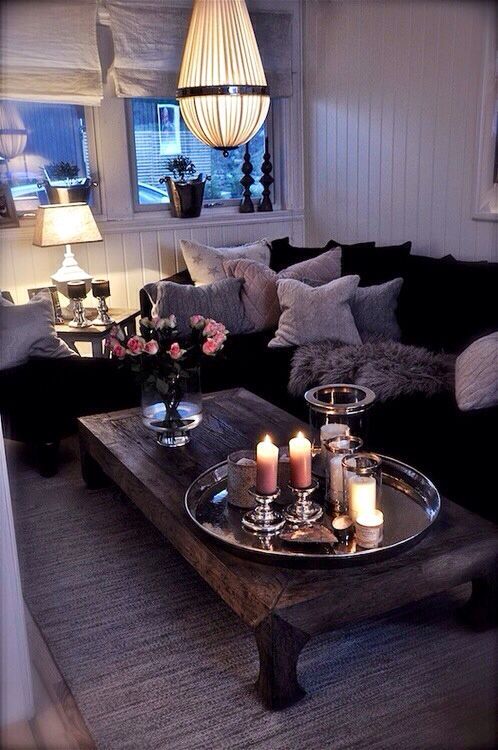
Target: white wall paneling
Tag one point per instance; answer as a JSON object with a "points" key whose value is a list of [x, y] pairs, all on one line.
{"points": [[392, 98], [132, 255]]}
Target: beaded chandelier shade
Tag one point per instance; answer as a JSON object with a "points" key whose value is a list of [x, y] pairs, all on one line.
{"points": [[222, 86]]}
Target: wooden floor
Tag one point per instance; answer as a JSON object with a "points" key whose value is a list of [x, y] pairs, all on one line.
{"points": [[57, 723]]}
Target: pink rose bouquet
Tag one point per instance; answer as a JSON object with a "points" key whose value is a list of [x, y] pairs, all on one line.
{"points": [[159, 356]]}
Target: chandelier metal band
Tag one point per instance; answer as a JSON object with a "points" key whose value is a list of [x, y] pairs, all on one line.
{"points": [[221, 90]]}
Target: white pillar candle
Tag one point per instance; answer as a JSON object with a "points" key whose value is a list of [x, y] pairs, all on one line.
{"points": [[300, 461], [336, 475], [369, 529], [362, 494], [266, 467], [331, 430]]}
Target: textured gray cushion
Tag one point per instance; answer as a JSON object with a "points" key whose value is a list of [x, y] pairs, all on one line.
{"points": [[205, 263], [320, 270], [259, 293], [316, 313], [220, 301], [28, 331], [476, 374], [374, 310]]}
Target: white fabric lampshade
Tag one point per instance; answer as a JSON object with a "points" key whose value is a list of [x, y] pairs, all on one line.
{"points": [[222, 86], [65, 224]]}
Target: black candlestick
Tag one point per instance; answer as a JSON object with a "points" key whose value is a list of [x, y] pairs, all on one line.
{"points": [[100, 288], [246, 204], [266, 180], [76, 289]]}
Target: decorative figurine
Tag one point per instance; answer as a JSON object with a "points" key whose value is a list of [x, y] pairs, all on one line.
{"points": [[246, 204], [266, 180]]}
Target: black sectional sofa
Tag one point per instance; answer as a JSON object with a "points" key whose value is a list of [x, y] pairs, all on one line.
{"points": [[444, 305]]}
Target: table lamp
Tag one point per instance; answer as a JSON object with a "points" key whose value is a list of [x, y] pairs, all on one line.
{"points": [[66, 224]]}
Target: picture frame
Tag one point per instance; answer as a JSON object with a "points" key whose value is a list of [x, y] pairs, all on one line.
{"points": [[168, 124], [8, 213], [55, 300]]}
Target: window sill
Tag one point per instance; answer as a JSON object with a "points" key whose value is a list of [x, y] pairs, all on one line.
{"points": [[157, 220], [161, 220], [485, 216]]}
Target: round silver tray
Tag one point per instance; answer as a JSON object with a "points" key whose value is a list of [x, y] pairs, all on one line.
{"points": [[409, 501]]}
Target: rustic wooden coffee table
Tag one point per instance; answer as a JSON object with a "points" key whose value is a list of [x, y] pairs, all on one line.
{"points": [[283, 606]]}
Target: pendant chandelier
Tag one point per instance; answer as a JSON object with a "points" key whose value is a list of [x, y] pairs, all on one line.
{"points": [[222, 86]]}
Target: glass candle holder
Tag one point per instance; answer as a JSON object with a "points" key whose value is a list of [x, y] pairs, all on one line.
{"points": [[362, 478], [334, 450], [341, 404]]}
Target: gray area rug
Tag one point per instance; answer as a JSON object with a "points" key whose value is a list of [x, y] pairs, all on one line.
{"points": [[156, 660]]}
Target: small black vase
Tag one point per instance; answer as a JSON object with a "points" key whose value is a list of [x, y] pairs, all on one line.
{"points": [[186, 198]]}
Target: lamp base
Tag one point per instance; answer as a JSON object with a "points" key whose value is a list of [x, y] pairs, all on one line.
{"points": [[70, 271]]}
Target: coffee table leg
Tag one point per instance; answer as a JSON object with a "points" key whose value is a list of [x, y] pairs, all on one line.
{"points": [[92, 474], [279, 646], [481, 611]]}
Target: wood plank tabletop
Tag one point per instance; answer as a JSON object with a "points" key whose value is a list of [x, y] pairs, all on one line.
{"points": [[156, 479]]}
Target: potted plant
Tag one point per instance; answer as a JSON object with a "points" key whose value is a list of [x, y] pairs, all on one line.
{"points": [[185, 195], [167, 367], [63, 184]]}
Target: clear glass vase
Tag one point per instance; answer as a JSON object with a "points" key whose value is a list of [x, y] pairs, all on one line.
{"points": [[172, 407]]}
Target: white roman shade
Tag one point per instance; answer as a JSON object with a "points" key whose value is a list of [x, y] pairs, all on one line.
{"points": [[48, 51], [148, 44]]}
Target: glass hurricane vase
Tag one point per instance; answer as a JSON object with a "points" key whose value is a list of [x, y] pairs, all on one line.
{"points": [[172, 406]]}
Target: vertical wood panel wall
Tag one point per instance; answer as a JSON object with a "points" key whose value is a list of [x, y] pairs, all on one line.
{"points": [[392, 96], [130, 257]]}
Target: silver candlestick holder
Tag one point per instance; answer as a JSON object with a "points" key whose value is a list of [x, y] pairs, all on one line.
{"points": [[79, 318], [264, 518], [303, 510], [103, 318]]}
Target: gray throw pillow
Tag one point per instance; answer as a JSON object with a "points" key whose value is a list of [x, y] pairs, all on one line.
{"points": [[205, 263], [259, 292], [476, 374], [28, 331], [320, 270], [220, 301], [374, 310], [316, 313]]}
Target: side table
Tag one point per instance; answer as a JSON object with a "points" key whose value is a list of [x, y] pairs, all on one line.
{"points": [[96, 335]]}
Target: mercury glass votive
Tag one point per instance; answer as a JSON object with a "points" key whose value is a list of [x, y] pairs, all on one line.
{"points": [[362, 477]]}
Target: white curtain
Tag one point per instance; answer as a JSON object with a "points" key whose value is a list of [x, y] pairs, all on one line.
{"points": [[148, 44], [48, 51], [16, 696]]}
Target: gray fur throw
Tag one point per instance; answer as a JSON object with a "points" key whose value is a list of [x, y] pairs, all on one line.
{"points": [[389, 368]]}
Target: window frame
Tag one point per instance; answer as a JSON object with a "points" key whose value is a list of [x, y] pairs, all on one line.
{"points": [[139, 208], [91, 133]]}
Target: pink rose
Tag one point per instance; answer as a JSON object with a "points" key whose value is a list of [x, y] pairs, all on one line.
{"points": [[175, 351], [197, 321], [212, 328], [220, 339], [211, 346], [136, 345], [118, 350], [151, 347]]}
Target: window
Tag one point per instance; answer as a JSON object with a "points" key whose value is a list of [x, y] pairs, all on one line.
{"points": [[34, 136], [159, 133]]}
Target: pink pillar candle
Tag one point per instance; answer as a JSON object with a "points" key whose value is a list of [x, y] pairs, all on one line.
{"points": [[266, 467], [300, 461]]}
